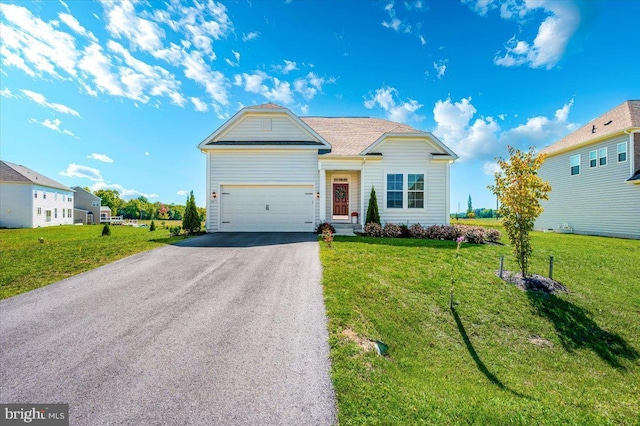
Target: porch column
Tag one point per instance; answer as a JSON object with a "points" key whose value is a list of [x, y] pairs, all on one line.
{"points": [[363, 211], [323, 198]]}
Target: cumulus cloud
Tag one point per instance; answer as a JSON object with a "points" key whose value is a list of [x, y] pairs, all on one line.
{"points": [[555, 31], [77, 171], [53, 125], [125, 193], [42, 100], [253, 35], [279, 92], [483, 138], [287, 67], [199, 105], [100, 157], [396, 110], [440, 67]]}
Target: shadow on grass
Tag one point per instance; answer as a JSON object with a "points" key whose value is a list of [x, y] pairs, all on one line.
{"points": [[577, 330], [481, 366]]}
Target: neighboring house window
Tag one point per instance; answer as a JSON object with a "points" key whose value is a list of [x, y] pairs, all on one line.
{"points": [[55, 196], [593, 158], [574, 162], [394, 191], [416, 191], [602, 155], [55, 213], [69, 213], [35, 194], [39, 211], [622, 152], [44, 195], [63, 213], [48, 214]]}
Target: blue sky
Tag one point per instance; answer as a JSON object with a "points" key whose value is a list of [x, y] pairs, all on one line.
{"points": [[118, 94]]}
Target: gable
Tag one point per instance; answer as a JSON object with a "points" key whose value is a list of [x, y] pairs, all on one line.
{"points": [[420, 143]]}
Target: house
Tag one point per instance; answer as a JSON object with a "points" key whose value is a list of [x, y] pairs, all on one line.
{"points": [[270, 170], [105, 214], [30, 200], [86, 207], [594, 174]]}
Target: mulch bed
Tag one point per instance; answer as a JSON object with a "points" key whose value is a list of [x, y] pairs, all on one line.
{"points": [[533, 282]]}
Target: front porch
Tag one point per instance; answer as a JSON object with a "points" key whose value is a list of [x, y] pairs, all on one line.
{"points": [[341, 198]]}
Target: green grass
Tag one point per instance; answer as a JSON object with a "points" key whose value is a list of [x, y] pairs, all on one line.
{"points": [[26, 264], [479, 366]]}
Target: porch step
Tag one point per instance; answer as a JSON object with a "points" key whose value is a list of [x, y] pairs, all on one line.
{"points": [[345, 229]]}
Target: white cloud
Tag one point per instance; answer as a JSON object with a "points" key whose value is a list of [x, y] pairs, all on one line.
{"points": [[490, 168], [214, 82], [403, 111], [77, 171], [253, 35], [199, 105], [73, 23], [122, 21], [554, 32], [182, 192], [41, 100], [125, 194], [280, 92], [484, 138], [422, 40], [98, 66], [100, 157], [310, 85], [440, 67], [6, 93], [304, 109], [287, 67], [146, 153], [53, 125]]}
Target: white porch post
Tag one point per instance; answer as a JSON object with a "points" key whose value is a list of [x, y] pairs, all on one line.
{"points": [[323, 198], [363, 212]]}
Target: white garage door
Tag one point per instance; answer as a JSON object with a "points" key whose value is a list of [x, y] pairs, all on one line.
{"points": [[261, 208]]}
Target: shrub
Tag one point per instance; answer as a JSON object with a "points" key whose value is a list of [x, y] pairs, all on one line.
{"points": [[404, 231], [471, 234], [391, 230], [153, 226], [493, 235], [373, 216], [442, 232], [327, 237], [373, 229], [325, 225], [106, 231], [175, 230], [417, 231], [471, 215], [190, 221]]}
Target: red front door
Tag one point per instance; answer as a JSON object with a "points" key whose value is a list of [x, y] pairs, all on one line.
{"points": [[340, 199]]}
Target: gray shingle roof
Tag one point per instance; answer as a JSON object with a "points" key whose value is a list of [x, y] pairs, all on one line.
{"points": [[622, 117], [15, 173]]}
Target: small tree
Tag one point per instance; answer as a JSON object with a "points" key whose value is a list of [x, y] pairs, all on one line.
{"points": [[519, 190], [152, 227], [469, 206], [372, 210], [191, 221], [106, 231]]}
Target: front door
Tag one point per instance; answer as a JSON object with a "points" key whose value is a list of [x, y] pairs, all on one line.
{"points": [[341, 199]]}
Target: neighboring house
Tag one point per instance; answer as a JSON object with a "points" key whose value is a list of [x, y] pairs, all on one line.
{"points": [[270, 170], [30, 200], [105, 214], [594, 174], [86, 207]]}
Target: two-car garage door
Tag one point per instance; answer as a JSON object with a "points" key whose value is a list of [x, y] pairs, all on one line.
{"points": [[267, 208]]}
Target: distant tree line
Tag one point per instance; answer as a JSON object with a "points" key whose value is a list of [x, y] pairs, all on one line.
{"points": [[142, 208], [477, 213]]}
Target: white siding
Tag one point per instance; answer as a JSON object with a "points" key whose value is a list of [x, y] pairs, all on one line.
{"points": [[597, 201], [16, 205], [250, 167], [280, 128], [409, 156], [19, 207]]}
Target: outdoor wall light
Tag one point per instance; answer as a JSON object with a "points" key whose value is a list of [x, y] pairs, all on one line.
{"points": [[214, 195], [317, 195]]}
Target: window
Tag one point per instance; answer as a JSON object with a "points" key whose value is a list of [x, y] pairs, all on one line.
{"points": [[95, 203], [394, 191], [622, 152], [574, 162], [416, 191], [55, 196], [602, 155], [69, 199], [39, 211], [593, 158], [55, 213], [48, 215], [35, 194], [69, 213], [63, 213], [44, 195]]}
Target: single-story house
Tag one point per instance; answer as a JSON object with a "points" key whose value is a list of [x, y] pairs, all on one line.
{"points": [[271, 170], [594, 174], [86, 207], [30, 200]]}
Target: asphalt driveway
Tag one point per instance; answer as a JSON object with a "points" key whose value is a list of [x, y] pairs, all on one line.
{"points": [[225, 329]]}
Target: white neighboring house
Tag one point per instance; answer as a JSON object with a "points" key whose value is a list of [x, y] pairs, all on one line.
{"points": [[594, 174], [30, 200], [270, 170]]}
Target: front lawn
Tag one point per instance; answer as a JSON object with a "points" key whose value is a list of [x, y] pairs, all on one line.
{"points": [[26, 264], [505, 356]]}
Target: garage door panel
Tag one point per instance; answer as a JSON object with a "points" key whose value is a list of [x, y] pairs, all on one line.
{"points": [[272, 208]]}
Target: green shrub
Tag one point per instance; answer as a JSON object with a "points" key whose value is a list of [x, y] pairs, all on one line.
{"points": [[373, 216], [191, 222], [106, 231], [152, 227], [325, 225]]}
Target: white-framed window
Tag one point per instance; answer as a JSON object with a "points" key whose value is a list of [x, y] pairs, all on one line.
{"points": [[55, 213], [69, 199], [64, 213], [44, 195], [35, 194], [394, 190], [39, 211], [415, 188], [48, 215], [69, 213], [622, 152], [602, 157], [574, 163], [593, 158]]}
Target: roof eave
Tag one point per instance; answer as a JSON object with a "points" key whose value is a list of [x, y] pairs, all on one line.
{"points": [[418, 135], [588, 142]]}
